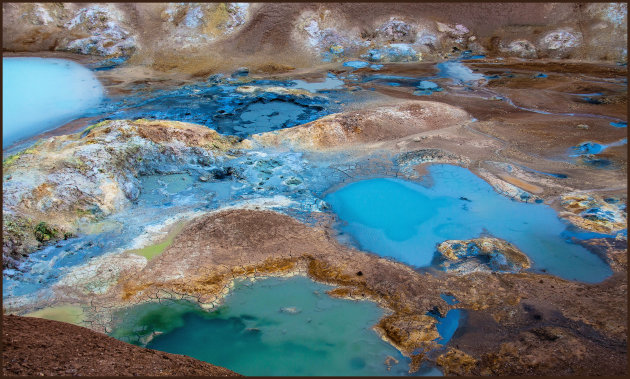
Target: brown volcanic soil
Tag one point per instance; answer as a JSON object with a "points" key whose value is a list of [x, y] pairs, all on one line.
{"points": [[34, 346], [504, 133]]}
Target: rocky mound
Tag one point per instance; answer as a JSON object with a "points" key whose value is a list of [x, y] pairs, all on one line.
{"points": [[482, 254], [380, 124], [34, 346], [592, 212], [89, 175]]}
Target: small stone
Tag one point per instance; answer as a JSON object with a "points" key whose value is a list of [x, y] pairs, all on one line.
{"points": [[583, 126], [203, 178]]}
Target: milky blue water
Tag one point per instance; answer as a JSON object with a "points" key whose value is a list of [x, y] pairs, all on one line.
{"points": [[425, 84], [271, 327], [457, 71], [40, 94], [426, 87], [407, 220], [330, 82], [356, 64]]}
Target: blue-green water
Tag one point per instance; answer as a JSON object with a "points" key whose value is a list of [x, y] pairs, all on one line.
{"points": [[406, 221], [272, 327]]}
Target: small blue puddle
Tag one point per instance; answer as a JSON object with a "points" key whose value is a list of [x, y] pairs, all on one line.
{"points": [[426, 87], [589, 148], [330, 82], [108, 64], [396, 80], [467, 55], [559, 176], [426, 84], [406, 221], [554, 175], [458, 72], [595, 148], [450, 299], [592, 99], [356, 64], [448, 324]]}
